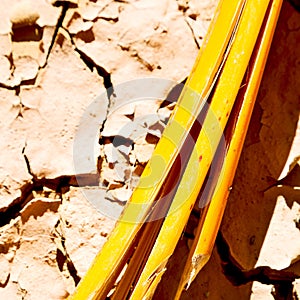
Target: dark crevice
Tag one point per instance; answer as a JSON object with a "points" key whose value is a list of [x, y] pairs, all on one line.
{"points": [[193, 33], [297, 223], [284, 292], [17, 87], [11, 62], [8, 87], [62, 256], [237, 275], [143, 61], [73, 272], [106, 76], [4, 284], [295, 4], [12, 210], [65, 6], [183, 7], [102, 72], [109, 19], [122, 1], [27, 161], [91, 64], [60, 259], [60, 185], [114, 200], [27, 33]]}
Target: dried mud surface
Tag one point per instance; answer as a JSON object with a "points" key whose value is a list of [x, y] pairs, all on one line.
{"points": [[56, 57]]}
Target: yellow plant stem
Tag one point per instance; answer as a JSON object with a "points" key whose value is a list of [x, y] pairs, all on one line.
{"points": [[210, 221]]}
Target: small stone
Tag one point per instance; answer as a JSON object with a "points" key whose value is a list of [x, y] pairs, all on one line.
{"points": [[143, 150], [121, 195]]}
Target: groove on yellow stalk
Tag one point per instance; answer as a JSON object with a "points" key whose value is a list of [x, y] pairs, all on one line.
{"points": [[110, 259]]}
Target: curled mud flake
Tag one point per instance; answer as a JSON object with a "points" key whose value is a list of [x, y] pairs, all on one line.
{"points": [[31, 98], [114, 173], [90, 11], [164, 114], [110, 12], [37, 208], [156, 128], [23, 14], [76, 24], [117, 151], [120, 195], [117, 125], [26, 68], [143, 150]]}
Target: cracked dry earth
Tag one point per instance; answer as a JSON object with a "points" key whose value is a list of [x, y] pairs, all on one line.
{"points": [[56, 57]]}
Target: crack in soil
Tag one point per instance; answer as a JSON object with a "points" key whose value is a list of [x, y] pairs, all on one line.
{"points": [[32, 81], [102, 72], [134, 53], [62, 256], [64, 181], [91, 64], [60, 185], [193, 33], [237, 275], [4, 284], [65, 6], [183, 6], [17, 87], [27, 160]]}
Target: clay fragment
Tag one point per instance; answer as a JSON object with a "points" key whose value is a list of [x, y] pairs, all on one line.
{"points": [[23, 14]]}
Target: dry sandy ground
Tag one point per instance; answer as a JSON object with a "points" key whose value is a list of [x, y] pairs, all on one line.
{"points": [[54, 62]]}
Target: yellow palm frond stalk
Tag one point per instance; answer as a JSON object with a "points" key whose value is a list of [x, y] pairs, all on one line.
{"points": [[154, 218], [235, 134]]}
